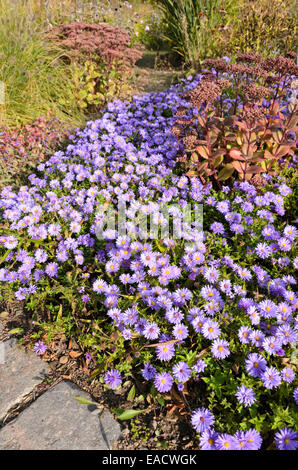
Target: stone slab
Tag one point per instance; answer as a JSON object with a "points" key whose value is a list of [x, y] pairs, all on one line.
{"points": [[56, 421], [20, 372]]}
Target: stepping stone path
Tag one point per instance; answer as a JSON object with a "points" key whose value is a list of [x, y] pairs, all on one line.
{"points": [[55, 420]]}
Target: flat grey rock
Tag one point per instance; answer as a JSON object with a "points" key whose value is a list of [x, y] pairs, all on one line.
{"points": [[20, 372], [56, 421]]}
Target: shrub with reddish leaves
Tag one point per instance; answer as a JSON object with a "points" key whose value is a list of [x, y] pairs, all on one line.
{"points": [[244, 122], [23, 147]]}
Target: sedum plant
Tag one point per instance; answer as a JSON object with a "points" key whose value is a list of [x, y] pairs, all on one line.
{"points": [[242, 124], [101, 59]]}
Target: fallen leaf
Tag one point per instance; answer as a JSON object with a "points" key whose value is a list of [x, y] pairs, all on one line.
{"points": [[63, 360], [74, 354], [189, 445], [171, 411], [285, 360]]}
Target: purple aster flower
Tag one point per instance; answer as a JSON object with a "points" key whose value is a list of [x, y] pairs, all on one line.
{"points": [[284, 244], [245, 395], [165, 352], [209, 293], [237, 228], [255, 364], [112, 378], [225, 285], [226, 442], [182, 295], [220, 349], [131, 316], [202, 420], [140, 326], [271, 378], [211, 274], [267, 308], [263, 250], [151, 331], [163, 382], [99, 286], [112, 267], [199, 366], [148, 372], [288, 374], [295, 395], [54, 229], [223, 206], [217, 227], [284, 190], [181, 372], [174, 315], [10, 243], [244, 274], [272, 344], [290, 297], [290, 232], [51, 269], [256, 338], [20, 294], [40, 347], [208, 440], [286, 439], [244, 334], [127, 333], [180, 331], [248, 440], [211, 329], [41, 256], [62, 256], [111, 301], [286, 334]]}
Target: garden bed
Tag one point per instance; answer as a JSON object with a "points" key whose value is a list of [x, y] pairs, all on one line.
{"points": [[174, 325]]}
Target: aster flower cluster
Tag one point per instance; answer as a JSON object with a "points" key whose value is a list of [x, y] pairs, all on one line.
{"points": [[195, 306]]}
